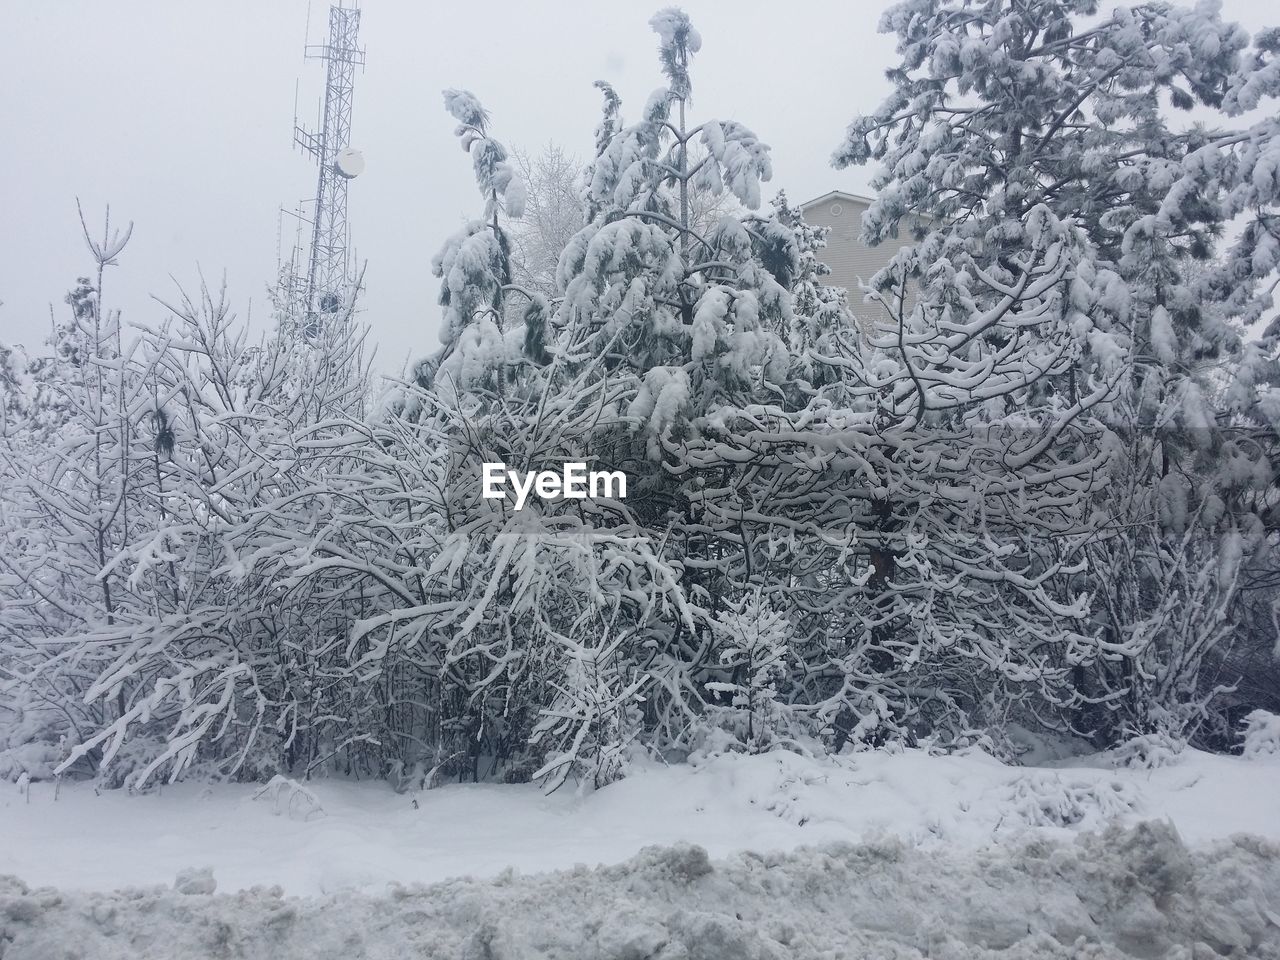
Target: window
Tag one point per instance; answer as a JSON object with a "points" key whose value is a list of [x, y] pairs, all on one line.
{"points": [[836, 209]]}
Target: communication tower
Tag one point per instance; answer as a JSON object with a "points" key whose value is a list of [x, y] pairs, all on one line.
{"points": [[326, 286]]}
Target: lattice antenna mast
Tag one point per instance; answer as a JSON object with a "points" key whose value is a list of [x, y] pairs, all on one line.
{"points": [[329, 277]]}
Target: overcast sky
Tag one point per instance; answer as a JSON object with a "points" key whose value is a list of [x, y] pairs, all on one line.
{"points": [[179, 113]]}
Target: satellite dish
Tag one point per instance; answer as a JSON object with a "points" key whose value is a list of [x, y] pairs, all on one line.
{"points": [[349, 163]]}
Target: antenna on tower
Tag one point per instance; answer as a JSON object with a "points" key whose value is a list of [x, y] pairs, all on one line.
{"points": [[327, 285]]}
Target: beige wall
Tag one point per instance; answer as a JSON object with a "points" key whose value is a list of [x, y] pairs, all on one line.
{"points": [[847, 256]]}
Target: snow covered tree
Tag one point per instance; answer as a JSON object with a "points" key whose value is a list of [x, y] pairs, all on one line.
{"points": [[76, 494], [229, 654], [755, 650], [553, 214], [1002, 107], [476, 270], [819, 312], [643, 287], [515, 640], [520, 596], [1035, 488], [15, 392], [681, 316], [888, 488], [899, 523]]}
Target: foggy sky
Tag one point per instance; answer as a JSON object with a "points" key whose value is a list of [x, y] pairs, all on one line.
{"points": [[179, 113]]}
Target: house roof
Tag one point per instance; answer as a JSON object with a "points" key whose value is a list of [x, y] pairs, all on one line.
{"points": [[852, 198], [837, 195]]}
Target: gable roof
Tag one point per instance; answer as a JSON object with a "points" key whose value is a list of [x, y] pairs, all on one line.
{"points": [[837, 195], [854, 198]]}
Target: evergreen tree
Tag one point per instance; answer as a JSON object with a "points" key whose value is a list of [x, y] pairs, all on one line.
{"points": [[475, 267], [756, 651]]}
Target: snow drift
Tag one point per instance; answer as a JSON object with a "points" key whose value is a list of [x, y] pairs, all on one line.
{"points": [[1125, 892]]}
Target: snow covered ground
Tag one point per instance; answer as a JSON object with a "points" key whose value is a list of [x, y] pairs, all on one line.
{"points": [[888, 852], [367, 835]]}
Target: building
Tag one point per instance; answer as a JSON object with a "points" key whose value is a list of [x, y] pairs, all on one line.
{"points": [[851, 261]]}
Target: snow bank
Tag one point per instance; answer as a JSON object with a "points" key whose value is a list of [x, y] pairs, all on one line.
{"points": [[1126, 892]]}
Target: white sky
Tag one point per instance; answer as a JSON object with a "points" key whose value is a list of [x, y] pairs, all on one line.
{"points": [[179, 113]]}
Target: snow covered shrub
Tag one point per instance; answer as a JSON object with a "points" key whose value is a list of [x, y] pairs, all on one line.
{"points": [[1147, 751], [185, 476], [592, 722], [263, 756], [1261, 735], [1169, 604], [33, 738], [1047, 800], [35, 761], [788, 789], [755, 646], [994, 742], [237, 636], [129, 767], [290, 799]]}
